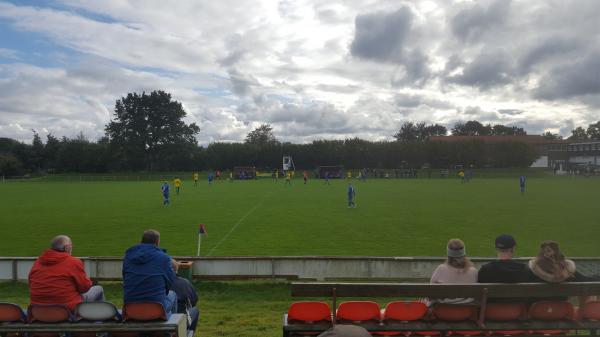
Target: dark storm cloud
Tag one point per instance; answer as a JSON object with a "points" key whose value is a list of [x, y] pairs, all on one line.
{"points": [[241, 84], [510, 112], [381, 36], [487, 70], [474, 21], [387, 37], [547, 49], [579, 78]]}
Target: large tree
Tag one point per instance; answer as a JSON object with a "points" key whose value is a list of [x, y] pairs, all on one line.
{"points": [[420, 132], [593, 131], [262, 135], [471, 128], [148, 129], [578, 134]]}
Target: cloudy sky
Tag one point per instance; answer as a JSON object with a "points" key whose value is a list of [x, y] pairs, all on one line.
{"points": [[312, 69]]}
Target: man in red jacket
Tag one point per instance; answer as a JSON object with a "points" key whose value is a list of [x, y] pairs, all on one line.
{"points": [[58, 278]]}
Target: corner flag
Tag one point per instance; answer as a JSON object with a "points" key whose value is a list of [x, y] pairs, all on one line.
{"points": [[201, 231]]}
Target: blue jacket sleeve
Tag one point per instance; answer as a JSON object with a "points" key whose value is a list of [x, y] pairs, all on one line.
{"points": [[170, 274]]}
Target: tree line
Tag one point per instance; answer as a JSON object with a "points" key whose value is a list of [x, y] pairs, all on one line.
{"points": [[147, 133]]}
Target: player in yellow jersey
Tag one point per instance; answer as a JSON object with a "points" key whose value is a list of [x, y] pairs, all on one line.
{"points": [[177, 183], [195, 178], [288, 178], [349, 175]]}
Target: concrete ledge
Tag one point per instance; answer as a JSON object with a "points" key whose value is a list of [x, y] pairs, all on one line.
{"points": [[282, 267]]}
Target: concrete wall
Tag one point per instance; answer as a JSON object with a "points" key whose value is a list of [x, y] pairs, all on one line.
{"points": [[303, 267]]}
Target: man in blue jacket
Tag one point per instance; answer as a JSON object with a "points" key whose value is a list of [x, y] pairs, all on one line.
{"points": [[147, 273]]}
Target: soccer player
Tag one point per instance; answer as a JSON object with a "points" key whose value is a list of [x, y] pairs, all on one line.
{"points": [[177, 183], [351, 195], [305, 176], [195, 178], [210, 178], [231, 176], [349, 175], [461, 174], [218, 174], [165, 193], [288, 178], [522, 184]]}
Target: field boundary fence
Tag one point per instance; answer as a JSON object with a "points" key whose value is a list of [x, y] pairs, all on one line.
{"points": [[282, 267]]}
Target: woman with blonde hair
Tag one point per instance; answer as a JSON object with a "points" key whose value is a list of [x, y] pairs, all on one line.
{"points": [[550, 265], [456, 269]]}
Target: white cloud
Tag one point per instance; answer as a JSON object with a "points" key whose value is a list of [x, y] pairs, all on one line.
{"points": [[304, 66]]}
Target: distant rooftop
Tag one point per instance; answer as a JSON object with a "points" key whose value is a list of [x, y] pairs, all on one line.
{"points": [[529, 139]]}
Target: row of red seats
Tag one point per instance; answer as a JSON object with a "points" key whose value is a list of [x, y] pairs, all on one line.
{"points": [[405, 311], [89, 312]]}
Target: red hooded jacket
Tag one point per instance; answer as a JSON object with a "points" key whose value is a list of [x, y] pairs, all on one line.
{"points": [[58, 278]]}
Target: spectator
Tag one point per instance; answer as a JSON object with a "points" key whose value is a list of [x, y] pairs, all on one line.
{"points": [[58, 278], [504, 269], [457, 269], [147, 273], [551, 265], [186, 298]]}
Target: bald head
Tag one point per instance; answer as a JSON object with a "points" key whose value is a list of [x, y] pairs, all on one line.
{"points": [[62, 243]]}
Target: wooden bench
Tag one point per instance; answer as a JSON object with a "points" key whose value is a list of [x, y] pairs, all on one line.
{"points": [[481, 292], [177, 324]]}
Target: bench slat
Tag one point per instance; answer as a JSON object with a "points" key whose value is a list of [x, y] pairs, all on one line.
{"points": [[525, 290]]}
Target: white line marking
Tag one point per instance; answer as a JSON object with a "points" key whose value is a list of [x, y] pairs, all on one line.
{"points": [[238, 223]]}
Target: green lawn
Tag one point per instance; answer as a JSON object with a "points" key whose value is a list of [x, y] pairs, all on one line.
{"points": [[393, 217], [249, 309]]}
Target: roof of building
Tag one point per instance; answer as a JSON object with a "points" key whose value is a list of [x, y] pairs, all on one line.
{"points": [[529, 139]]}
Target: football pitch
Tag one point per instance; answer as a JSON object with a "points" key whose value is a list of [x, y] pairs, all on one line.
{"points": [[394, 217]]}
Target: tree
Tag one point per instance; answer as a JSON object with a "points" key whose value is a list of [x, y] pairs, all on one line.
{"points": [[578, 134], [147, 128], [551, 136], [262, 135], [593, 131], [471, 128], [503, 130], [410, 131]]}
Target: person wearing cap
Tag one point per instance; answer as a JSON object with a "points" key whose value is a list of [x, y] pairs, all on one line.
{"points": [[456, 269], [504, 269]]}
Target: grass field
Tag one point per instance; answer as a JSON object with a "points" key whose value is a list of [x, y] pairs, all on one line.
{"points": [[234, 309], [393, 217]]}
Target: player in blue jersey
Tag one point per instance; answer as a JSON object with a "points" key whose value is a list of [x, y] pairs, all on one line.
{"points": [[522, 184], [351, 195], [165, 192]]}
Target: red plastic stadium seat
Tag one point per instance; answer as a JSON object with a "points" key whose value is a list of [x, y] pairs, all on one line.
{"points": [[466, 333], [144, 311], [590, 311], [551, 310], [455, 312], [506, 312], [404, 311], [401, 311], [48, 313], [358, 311], [309, 312], [10, 312]]}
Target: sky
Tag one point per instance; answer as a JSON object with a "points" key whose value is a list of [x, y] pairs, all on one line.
{"points": [[311, 69]]}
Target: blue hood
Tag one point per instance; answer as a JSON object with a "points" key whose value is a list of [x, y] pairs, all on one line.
{"points": [[143, 253], [147, 274]]}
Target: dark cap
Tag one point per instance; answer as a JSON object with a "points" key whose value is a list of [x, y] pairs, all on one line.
{"points": [[505, 241]]}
